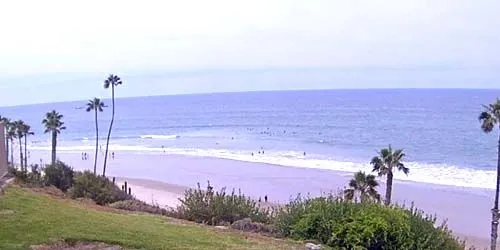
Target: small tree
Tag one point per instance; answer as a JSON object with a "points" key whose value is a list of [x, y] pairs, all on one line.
{"points": [[362, 186]]}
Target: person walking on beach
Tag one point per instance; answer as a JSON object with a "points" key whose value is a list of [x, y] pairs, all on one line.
{"points": [[113, 155], [265, 198]]}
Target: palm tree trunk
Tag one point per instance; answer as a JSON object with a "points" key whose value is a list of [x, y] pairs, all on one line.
{"points": [[26, 151], [54, 144], [21, 154], [96, 142], [7, 150], [110, 127], [12, 151], [494, 211], [388, 191]]}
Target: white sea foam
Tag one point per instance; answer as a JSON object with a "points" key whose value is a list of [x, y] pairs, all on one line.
{"points": [[419, 172], [163, 137]]}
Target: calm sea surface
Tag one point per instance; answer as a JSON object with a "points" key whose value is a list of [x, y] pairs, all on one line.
{"points": [[334, 129]]}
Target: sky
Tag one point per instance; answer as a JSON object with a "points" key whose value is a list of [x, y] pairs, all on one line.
{"points": [[63, 50]]}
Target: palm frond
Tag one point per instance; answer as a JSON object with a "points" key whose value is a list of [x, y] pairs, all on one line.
{"points": [[488, 122]]}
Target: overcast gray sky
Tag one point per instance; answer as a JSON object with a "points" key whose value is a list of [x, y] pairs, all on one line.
{"points": [[62, 50]]}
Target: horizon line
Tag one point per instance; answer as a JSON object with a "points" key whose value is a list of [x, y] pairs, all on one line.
{"points": [[254, 91]]}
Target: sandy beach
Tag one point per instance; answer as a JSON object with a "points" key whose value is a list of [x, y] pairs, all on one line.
{"points": [[162, 179]]}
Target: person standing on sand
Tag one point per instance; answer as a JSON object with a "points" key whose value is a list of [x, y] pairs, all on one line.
{"points": [[113, 155], [265, 198]]}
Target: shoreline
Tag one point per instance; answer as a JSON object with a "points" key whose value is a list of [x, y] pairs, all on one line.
{"points": [[467, 210]]}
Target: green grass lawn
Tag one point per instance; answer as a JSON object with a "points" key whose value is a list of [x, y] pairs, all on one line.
{"points": [[30, 218]]}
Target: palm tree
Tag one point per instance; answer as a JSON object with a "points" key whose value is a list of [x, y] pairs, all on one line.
{"points": [[362, 186], [387, 161], [53, 124], [490, 118], [11, 135], [112, 81], [96, 105], [27, 131], [19, 128], [6, 123]]}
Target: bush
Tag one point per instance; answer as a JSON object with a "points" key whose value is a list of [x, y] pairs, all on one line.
{"points": [[32, 178], [59, 175], [247, 225], [98, 188], [18, 174], [345, 225], [215, 208]]}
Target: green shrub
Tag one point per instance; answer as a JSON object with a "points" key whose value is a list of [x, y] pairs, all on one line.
{"points": [[32, 178], [247, 225], [18, 174], [98, 188], [59, 175], [215, 208], [346, 225]]}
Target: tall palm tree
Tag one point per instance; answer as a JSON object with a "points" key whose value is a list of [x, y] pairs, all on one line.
{"points": [[53, 124], [363, 186], [112, 81], [19, 128], [490, 118], [385, 163], [96, 105], [27, 131]]}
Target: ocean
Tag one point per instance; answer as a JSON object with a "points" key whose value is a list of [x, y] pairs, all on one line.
{"points": [[338, 130]]}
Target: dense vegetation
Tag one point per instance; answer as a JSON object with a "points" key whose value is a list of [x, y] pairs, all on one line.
{"points": [[77, 184], [346, 225], [98, 188]]}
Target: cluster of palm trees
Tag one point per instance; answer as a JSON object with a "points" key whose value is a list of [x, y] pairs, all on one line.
{"points": [[20, 130], [363, 187], [54, 125]]}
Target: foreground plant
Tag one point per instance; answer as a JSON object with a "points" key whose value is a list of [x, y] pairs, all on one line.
{"points": [[342, 224]]}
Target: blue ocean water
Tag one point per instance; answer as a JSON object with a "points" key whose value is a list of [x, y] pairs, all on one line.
{"points": [[330, 129]]}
